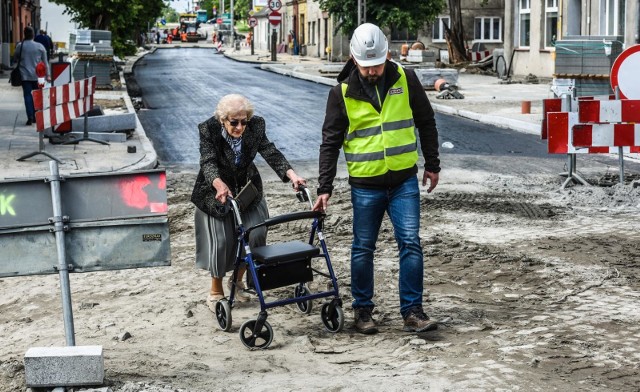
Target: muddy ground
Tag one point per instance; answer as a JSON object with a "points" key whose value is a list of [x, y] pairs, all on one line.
{"points": [[535, 288]]}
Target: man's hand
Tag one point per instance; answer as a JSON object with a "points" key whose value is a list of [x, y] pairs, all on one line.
{"points": [[322, 202], [433, 180]]}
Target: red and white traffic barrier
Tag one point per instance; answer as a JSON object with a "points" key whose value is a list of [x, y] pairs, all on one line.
{"points": [[56, 105], [612, 136], [479, 55], [613, 111]]}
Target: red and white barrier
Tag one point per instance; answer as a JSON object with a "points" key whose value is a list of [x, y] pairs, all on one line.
{"points": [[56, 105], [562, 140], [614, 111], [608, 135], [550, 105], [479, 56]]}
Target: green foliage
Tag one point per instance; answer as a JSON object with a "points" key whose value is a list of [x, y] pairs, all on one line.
{"points": [[170, 15], [240, 8], [126, 19], [398, 14]]}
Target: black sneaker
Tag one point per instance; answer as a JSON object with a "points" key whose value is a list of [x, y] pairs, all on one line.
{"points": [[418, 321], [363, 321]]}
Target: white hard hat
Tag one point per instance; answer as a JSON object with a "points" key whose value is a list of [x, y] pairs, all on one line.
{"points": [[369, 45]]}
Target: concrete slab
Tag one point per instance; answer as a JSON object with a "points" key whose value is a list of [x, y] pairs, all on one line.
{"points": [[428, 76], [107, 123], [107, 137], [63, 366]]}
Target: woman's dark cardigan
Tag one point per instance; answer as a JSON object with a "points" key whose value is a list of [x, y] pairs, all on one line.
{"points": [[218, 160]]}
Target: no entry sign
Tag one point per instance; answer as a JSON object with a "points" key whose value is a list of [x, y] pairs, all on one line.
{"points": [[274, 18], [624, 73]]}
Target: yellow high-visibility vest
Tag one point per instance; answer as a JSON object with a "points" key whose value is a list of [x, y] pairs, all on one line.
{"points": [[378, 142]]}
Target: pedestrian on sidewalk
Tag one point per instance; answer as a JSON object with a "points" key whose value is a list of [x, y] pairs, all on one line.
{"points": [[229, 143], [373, 114], [30, 53], [45, 41]]}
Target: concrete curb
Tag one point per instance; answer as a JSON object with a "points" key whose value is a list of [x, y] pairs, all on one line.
{"points": [[299, 75], [516, 125], [150, 158], [521, 126]]}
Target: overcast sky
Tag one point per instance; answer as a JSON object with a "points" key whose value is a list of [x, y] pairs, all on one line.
{"points": [[180, 5]]}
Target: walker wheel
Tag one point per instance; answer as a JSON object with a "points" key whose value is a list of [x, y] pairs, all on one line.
{"points": [[304, 306], [252, 339], [223, 314], [332, 322]]}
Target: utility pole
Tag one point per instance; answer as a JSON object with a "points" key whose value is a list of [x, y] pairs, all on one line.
{"points": [[362, 12], [233, 30]]}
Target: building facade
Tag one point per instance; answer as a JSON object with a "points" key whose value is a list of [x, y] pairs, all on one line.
{"points": [[15, 15], [533, 26]]}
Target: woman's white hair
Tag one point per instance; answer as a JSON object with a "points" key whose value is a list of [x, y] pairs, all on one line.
{"points": [[233, 104]]}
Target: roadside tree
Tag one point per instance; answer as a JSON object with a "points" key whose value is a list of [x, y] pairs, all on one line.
{"points": [[126, 19]]}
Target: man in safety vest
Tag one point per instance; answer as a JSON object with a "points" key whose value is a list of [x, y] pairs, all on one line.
{"points": [[373, 114]]}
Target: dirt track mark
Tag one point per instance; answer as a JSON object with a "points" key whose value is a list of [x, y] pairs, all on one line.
{"points": [[491, 203]]}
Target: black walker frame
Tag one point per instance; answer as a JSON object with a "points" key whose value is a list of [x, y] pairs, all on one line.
{"points": [[279, 265]]}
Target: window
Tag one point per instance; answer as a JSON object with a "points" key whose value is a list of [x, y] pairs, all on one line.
{"points": [[525, 23], [312, 32], [302, 41], [438, 28], [403, 35], [551, 23], [614, 15], [487, 29]]}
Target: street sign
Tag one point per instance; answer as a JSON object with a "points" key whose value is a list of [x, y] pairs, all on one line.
{"points": [[219, 21], [275, 5], [274, 18], [623, 73], [163, 22], [253, 22], [112, 221]]}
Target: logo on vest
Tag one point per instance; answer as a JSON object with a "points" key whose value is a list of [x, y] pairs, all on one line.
{"points": [[395, 91]]}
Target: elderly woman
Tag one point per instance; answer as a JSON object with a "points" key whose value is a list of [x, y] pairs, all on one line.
{"points": [[229, 142]]}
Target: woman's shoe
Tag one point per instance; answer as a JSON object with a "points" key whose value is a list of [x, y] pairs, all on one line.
{"points": [[212, 299], [241, 295]]}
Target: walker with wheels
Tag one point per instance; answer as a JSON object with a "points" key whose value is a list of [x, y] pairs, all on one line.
{"points": [[292, 263]]}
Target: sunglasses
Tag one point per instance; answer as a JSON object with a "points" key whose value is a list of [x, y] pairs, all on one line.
{"points": [[234, 123]]}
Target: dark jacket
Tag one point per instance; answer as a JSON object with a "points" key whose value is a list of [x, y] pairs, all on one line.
{"points": [[217, 160], [336, 124], [45, 41]]}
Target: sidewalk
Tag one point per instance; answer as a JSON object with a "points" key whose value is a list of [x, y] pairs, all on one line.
{"points": [[18, 139], [486, 100]]}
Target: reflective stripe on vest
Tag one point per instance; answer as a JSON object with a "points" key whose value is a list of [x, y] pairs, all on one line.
{"points": [[378, 142]]}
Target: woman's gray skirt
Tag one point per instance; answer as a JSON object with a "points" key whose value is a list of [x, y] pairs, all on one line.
{"points": [[216, 238]]}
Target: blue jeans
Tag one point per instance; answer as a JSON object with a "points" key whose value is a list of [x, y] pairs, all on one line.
{"points": [[27, 88], [402, 204]]}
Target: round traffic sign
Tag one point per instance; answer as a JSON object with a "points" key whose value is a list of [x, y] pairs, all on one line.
{"points": [[624, 73], [219, 21], [274, 18], [275, 5], [253, 22]]}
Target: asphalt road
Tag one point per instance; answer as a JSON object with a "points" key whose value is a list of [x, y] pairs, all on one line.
{"points": [[180, 88]]}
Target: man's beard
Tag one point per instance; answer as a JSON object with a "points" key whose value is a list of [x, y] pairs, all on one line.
{"points": [[372, 79]]}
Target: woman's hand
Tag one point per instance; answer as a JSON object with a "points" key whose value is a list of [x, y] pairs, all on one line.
{"points": [[296, 180], [222, 190]]}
